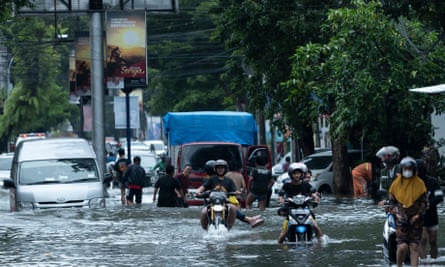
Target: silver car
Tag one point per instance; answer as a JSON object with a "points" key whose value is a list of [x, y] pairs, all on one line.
{"points": [[5, 165], [56, 172], [321, 166]]}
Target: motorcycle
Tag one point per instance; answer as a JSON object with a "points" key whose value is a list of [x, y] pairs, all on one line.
{"points": [[389, 247], [218, 211], [300, 216]]}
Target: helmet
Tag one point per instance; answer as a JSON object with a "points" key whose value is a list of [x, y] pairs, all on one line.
{"points": [[261, 159], [221, 162], [421, 168], [389, 154], [296, 166], [209, 167], [408, 162]]}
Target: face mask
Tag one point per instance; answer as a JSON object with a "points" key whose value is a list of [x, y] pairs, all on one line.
{"points": [[407, 173]]}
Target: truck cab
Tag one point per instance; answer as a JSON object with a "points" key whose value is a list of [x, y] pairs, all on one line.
{"points": [[199, 136], [240, 159]]}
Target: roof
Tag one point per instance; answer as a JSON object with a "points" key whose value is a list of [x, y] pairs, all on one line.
{"points": [[54, 148], [210, 126], [435, 89]]}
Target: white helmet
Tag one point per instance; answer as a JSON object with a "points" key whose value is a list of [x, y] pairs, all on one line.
{"points": [[391, 151], [297, 166]]}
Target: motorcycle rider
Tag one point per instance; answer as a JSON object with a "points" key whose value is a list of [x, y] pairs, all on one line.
{"points": [[219, 182], [297, 186], [389, 156], [408, 202]]}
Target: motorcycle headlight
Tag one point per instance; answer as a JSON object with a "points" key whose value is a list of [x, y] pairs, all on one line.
{"points": [[218, 208], [97, 203], [301, 229]]}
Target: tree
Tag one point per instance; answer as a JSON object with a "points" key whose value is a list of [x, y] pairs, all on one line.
{"points": [[361, 77], [6, 7], [184, 64], [264, 35], [37, 102]]}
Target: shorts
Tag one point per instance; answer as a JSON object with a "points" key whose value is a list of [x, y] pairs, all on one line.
{"points": [[431, 228], [409, 234], [259, 197], [134, 193]]}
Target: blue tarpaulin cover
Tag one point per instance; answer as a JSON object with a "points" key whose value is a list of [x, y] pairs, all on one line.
{"points": [[208, 126]]}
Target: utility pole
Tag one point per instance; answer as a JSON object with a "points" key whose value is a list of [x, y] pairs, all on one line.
{"points": [[97, 80]]}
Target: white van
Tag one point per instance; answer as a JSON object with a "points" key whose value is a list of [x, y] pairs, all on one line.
{"points": [[56, 172]]}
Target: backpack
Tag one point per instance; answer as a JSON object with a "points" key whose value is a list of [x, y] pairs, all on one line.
{"points": [[136, 175]]}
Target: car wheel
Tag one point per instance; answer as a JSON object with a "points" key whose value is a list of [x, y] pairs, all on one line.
{"points": [[325, 189]]}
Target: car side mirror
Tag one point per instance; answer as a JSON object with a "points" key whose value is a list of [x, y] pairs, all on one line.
{"points": [[7, 184], [108, 177]]}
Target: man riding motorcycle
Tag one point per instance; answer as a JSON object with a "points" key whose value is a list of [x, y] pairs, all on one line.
{"points": [[219, 182], [297, 186]]}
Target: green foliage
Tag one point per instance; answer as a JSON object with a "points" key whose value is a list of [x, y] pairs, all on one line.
{"points": [[6, 7], [265, 34], [36, 103], [362, 76], [184, 63]]}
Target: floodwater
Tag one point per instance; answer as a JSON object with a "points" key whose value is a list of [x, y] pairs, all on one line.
{"points": [[150, 236]]}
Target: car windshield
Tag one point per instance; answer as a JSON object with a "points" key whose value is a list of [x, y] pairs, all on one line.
{"points": [[5, 163], [198, 154], [157, 146], [318, 163], [58, 171], [148, 161]]}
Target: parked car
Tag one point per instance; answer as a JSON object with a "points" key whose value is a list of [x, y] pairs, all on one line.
{"points": [[320, 164], [277, 169], [5, 165]]}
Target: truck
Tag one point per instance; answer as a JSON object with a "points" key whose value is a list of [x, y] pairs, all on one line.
{"points": [[196, 137]]}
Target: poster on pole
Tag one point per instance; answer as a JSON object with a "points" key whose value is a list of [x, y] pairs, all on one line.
{"points": [[82, 75], [120, 112], [126, 50]]}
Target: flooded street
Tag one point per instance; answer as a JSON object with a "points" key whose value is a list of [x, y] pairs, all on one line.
{"points": [[150, 236]]}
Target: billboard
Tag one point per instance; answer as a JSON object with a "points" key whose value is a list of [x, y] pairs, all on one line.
{"points": [[82, 73], [126, 50]]}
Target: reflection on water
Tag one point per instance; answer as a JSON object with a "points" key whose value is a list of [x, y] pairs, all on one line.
{"points": [[149, 236]]}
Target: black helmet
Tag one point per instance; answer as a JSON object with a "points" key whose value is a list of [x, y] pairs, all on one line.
{"points": [[221, 162], [209, 167], [261, 159], [408, 162]]}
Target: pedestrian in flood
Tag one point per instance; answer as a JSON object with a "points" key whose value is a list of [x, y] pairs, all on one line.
{"points": [[120, 167], [183, 179], [261, 182], [430, 219], [134, 178], [168, 187]]}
